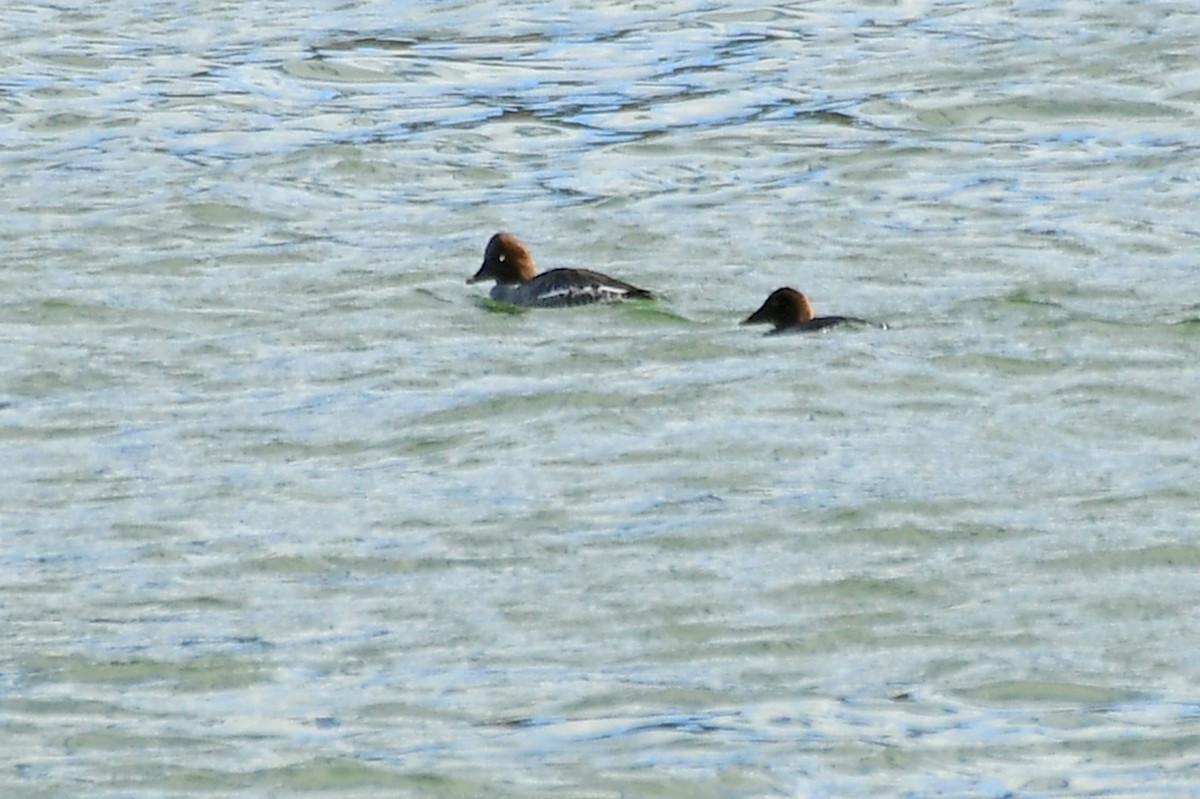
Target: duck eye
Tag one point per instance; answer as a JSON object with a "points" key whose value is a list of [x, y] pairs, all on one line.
{"points": [[502, 258]]}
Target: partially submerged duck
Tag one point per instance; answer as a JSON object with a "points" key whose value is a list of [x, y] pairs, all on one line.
{"points": [[507, 261], [791, 312]]}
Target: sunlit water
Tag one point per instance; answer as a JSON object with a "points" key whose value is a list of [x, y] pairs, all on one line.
{"points": [[289, 510]]}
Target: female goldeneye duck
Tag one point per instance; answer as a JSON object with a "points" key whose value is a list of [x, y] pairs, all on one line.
{"points": [[791, 312], [508, 262]]}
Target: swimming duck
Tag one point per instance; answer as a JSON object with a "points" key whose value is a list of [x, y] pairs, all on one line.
{"points": [[791, 312], [507, 261]]}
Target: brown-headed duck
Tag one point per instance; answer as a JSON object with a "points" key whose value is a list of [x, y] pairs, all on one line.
{"points": [[791, 312], [508, 262]]}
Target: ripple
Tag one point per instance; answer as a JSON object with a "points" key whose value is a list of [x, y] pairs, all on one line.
{"points": [[287, 494]]}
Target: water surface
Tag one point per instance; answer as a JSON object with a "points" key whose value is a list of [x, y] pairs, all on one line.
{"points": [[291, 511]]}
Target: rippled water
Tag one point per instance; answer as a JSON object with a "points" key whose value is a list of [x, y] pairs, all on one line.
{"points": [[290, 510]]}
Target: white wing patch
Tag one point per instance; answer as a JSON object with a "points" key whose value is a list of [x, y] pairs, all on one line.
{"points": [[580, 294]]}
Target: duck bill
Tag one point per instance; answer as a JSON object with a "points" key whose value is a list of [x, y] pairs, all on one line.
{"points": [[478, 276], [756, 318]]}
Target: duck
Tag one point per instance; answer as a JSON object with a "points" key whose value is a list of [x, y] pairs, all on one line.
{"points": [[791, 312], [508, 261]]}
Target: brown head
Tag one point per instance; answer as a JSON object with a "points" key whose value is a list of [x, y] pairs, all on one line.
{"points": [[505, 260], [785, 306]]}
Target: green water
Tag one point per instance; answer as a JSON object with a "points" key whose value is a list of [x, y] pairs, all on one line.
{"points": [[293, 510]]}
